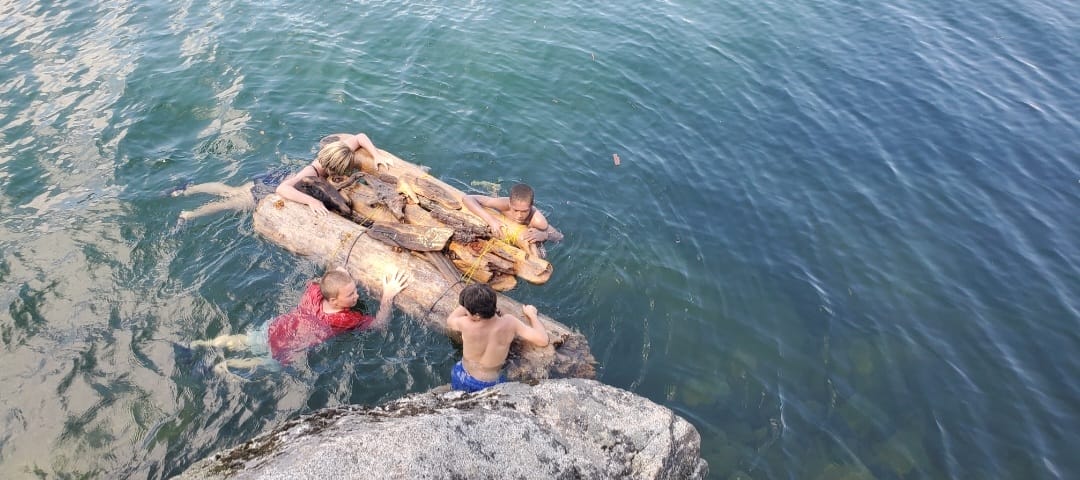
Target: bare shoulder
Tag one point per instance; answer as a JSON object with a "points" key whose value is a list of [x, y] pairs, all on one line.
{"points": [[539, 221]]}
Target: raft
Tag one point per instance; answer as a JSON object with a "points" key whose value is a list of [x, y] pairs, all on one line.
{"points": [[403, 218]]}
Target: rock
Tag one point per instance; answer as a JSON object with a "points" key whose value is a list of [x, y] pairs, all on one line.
{"points": [[572, 428]]}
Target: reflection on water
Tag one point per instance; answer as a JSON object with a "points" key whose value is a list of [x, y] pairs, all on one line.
{"points": [[838, 239]]}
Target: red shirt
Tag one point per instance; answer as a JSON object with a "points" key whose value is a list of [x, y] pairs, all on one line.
{"points": [[308, 325]]}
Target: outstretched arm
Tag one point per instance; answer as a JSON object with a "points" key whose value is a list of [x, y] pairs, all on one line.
{"points": [[476, 204], [392, 285], [287, 190], [361, 140], [534, 332]]}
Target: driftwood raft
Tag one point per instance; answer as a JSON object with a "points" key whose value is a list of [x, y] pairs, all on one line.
{"points": [[373, 239]]}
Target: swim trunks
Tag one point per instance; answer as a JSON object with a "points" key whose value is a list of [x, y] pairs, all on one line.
{"points": [[461, 380], [258, 340], [266, 183]]}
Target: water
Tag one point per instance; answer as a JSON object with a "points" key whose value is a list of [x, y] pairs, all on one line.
{"points": [[841, 240]]}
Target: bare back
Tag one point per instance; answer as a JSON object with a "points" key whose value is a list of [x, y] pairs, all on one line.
{"points": [[485, 344]]}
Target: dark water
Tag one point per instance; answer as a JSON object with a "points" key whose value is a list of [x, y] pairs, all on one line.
{"points": [[841, 240]]}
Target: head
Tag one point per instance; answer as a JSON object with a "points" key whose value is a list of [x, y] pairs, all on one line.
{"points": [[339, 288], [479, 299], [337, 158], [521, 203]]}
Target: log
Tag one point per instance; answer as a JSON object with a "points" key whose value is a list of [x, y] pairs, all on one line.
{"points": [[365, 204], [387, 193], [321, 190], [435, 191], [467, 226], [430, 296], [412, 237]]}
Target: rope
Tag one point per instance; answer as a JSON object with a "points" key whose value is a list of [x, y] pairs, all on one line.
{"points": [[468, 275], [348, 254], [441, 295]]}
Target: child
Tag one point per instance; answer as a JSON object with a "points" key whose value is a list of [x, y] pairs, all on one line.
{"points": [[324, 311], [338, 154], [486, 336], [530, 227]]}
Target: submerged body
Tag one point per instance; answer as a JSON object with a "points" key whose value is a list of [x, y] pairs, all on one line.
{"points": [[486, 336]]}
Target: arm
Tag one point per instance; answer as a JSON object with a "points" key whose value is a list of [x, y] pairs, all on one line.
{"points": [[459, 314], [361, 140], [476, 204], [392, 285], [534, 332], [287, 190], [541, 231]]}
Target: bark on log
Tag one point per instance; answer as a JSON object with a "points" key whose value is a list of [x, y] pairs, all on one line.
{"points": [[412, 237], [430, 296], [439, 199]]}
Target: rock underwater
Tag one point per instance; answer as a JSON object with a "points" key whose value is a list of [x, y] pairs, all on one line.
{"points": [[572, 428]]}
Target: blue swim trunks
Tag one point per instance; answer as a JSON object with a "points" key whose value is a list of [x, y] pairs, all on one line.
{"points": [[266, 183], [461, 380]]}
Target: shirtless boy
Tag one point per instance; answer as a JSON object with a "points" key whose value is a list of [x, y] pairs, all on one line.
{"points": [[519, 209], [486, 336]]}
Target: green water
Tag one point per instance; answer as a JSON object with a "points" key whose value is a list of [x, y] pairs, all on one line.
{"points": [[840, 240]]}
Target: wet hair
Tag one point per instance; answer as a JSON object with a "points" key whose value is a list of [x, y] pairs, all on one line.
{"points": [[521, 192], [479, 299], [336, 157], [332, 281]]}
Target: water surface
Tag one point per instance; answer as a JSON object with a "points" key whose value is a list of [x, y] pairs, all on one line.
{"points": [[840, 241]]}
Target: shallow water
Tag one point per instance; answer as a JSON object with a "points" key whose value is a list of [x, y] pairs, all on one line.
{"points": [[839, 240]]}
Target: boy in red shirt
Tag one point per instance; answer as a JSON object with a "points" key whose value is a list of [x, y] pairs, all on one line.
{"points": [[324, 311]]}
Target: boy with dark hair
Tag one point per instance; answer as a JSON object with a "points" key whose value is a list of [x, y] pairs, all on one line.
{"points": [[486, 336], [530, 227]]}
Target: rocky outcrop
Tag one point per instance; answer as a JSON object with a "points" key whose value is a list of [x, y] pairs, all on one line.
{"points": [[571, 428]]}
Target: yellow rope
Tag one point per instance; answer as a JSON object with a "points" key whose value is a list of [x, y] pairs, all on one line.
{"points": [[513, 233], [468, 276]]}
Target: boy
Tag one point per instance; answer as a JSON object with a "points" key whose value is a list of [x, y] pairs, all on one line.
{"points": [[324, 311], [486, 336], [338, 155], [518, 208]]}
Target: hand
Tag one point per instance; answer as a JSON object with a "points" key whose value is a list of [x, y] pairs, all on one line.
{"points": [[317, 208], [533, 235], [498, 230], [529, 311], [393, 283], [383, 159]]}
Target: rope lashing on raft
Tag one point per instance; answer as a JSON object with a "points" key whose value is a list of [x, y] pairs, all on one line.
{"points": [[345, 238], [468, 275]]}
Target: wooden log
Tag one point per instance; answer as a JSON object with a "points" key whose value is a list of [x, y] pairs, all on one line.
{"points": [[386, 193], [471, 271], [502, 282], [321, 190], [467, 226], [435, 191], [365, 204], [430, 296], [489, 260], [417, 238]]}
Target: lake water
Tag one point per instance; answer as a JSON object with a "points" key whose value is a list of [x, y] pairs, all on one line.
{"points": [[841, 240]]}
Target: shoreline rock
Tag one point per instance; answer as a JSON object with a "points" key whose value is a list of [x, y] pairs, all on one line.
{"points": [[569, 428]]}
